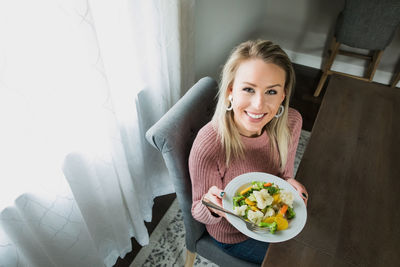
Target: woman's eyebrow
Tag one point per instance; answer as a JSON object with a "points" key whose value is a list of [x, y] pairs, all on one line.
{"points": [[251, 84], [274, 85], [270, 86]]}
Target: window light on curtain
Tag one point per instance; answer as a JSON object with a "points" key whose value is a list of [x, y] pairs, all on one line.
{"points": [[80, 83]]}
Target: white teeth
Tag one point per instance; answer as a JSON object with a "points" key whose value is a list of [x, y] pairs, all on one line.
{"points": [[254, 116]]}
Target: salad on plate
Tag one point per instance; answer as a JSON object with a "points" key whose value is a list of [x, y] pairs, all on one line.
{"points": [[265, 204]]}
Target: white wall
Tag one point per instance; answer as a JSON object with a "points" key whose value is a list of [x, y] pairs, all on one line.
{"points": [[301, 27]]}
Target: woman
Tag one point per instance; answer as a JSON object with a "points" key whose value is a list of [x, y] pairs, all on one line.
{"points": [[253, 130]]}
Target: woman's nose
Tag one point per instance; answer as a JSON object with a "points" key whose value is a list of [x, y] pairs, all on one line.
{"points": [[258, 101]]}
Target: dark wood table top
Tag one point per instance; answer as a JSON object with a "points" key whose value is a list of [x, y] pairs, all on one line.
{"points": [[351, 169]]}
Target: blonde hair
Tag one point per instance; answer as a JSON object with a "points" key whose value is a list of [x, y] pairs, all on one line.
{"points": [[277, 129]]}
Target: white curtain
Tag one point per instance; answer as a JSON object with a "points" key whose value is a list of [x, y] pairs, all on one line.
{"points": [[80, 83]]}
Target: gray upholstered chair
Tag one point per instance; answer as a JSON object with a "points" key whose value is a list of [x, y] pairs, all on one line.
{"points": [[362, 24], [173, 136]]}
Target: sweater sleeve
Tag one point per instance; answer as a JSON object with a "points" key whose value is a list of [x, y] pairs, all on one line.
{"points": [[203, 168], [295, 122]]}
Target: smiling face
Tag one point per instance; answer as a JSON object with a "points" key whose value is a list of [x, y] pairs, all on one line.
{"points": [[258, 91]]}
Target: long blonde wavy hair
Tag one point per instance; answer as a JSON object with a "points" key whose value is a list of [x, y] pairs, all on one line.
{"points": [[277, 129]]}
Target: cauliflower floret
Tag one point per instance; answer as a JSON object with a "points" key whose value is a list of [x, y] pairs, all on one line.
{"points": [[287, 198], [252, 198], [255, 216], [263, 198], [269, 213], [241, 211], [268, 198]]}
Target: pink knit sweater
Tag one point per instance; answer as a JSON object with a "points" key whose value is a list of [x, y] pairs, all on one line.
{"points": [[207, 168]]}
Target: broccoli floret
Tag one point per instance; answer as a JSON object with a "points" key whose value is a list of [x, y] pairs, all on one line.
{"points": [[257, 185], [290, 214], [272, 190], [273, 227], [247, 194], [237, 200], [246, 212]]}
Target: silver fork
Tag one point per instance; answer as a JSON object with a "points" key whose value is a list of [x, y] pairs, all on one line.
{"points": [[250, 225]]}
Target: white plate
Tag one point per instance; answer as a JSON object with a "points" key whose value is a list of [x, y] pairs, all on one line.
{"points": [[295, 225]]}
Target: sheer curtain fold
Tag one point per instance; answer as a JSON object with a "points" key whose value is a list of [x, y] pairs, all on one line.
{"points": [[80, 83]]}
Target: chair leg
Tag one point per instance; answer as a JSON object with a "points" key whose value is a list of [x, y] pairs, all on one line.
{"points": [[190, 257], [321, 84], [335, 49], [376, 58], [396, 80]]}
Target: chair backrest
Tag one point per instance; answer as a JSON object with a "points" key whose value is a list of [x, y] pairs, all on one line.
{"points": [[173, 136], [368, 24]]}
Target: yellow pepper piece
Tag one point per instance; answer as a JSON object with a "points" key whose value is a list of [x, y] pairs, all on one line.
{"points": [[254, 208], [249, 202], [246, 190], [269, 219], [277, 198], [280, 221]]}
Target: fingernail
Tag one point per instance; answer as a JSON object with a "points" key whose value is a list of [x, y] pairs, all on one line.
{"points": [[222, 194], [304, 195]]}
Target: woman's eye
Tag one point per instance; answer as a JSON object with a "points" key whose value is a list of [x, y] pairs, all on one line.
{"points": [[271, 92], [249, 90]]}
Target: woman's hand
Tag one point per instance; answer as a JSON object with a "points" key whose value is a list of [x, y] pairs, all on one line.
{"points": [[300, 189], [215, 195]]}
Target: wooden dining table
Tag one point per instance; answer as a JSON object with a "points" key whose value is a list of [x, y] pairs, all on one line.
{"points": [[351, 169]]}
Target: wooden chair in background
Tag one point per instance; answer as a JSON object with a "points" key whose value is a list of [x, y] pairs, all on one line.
{"points": [[395, 80], [364, 24]]}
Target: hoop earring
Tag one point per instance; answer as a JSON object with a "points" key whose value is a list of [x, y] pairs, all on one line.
{"points": [[280, 112], [230, 107]]}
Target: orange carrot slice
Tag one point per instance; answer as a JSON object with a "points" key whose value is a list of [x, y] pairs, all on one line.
{"points": [[283, 209]]}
